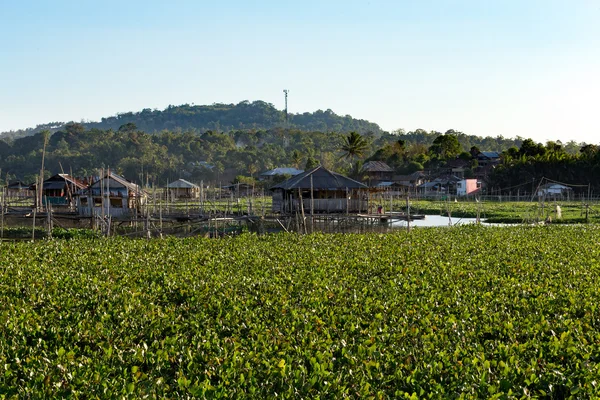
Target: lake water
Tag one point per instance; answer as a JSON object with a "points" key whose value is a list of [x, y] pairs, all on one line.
{"points": [[439, 220]]}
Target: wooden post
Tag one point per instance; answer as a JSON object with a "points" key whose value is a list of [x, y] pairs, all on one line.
{"points": [[312, 206], [302, 209], [33, 230], [348, 203], [49, 218], [407, 213], [587, 206]]}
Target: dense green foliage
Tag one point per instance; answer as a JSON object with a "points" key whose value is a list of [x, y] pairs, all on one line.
{"points": [[209, 156], [257, 115], [441, 313], [532, 161], [219, 142]]}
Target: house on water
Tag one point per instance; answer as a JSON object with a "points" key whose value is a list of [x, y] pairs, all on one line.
{"points": [[331, 193], [59, 190], [111, 195], [182, 189]]}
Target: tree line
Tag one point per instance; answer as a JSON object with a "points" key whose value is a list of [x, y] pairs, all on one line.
{"points": [[256, 115], [213, 156]]}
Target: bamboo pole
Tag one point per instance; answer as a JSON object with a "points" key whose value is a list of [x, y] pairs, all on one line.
{"points": [[408, 213], [312, 206]]}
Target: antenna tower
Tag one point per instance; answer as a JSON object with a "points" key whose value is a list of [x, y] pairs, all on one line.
{"points": [[286, 107]]}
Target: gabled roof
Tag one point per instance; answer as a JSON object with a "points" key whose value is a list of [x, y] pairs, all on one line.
{"points": [[119, 179], [322, 179], [59, 180], [17, 185], [376, 166], [182, 184], [282, 171]]}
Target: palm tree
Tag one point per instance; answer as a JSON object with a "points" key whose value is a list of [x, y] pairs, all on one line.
{"points": [[354, 145]]}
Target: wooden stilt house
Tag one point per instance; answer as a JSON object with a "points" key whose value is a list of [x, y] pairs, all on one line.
{"points": [[320, 191], [182, 189], [59, 190], [111, 195]]}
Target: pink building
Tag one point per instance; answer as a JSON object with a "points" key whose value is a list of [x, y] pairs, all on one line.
{"points": [[467, 187]]}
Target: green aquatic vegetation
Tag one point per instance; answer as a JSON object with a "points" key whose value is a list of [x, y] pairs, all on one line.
{"points": [[469, 312]]}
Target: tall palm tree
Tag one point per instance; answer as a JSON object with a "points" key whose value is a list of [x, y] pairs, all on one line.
{"points": [[354, 145]]}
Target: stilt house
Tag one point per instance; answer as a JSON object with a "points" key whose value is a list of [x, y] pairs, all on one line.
{"points": [[320, 191], [60, 190], [111, 195], [18, 189], [182, 189]]}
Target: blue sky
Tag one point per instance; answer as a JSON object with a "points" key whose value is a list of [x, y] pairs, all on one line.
{"points": [[525, 68]]}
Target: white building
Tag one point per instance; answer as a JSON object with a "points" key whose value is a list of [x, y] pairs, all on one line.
{"points": [[554, 190]]}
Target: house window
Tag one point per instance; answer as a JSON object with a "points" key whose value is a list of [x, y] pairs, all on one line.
{"points": [[116, 203], [97, 201], [83, 201]]}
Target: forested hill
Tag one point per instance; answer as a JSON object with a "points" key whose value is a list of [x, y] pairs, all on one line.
{"points": [[257, 115]]}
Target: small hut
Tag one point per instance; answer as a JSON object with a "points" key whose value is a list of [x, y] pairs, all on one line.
{"points": [[18, 189], [320, 191], [111, 195], [182, 189]]}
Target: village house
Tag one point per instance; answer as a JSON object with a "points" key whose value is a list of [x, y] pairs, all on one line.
{"points": [[402, 184], [554, 190], [485, 158], [320, 191], [467, 187], [376, 172], [443, 185], [18, 189], [182, 189], [111, 195], [59, 190], [411, 180]]}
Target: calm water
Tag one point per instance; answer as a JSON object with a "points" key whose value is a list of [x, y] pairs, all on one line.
{"points": [[439, 220]]}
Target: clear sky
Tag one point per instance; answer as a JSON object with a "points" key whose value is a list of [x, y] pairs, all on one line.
{"points": [[507, 67]]}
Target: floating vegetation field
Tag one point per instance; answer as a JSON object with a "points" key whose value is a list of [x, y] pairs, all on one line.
{"points": [[436, 313]]}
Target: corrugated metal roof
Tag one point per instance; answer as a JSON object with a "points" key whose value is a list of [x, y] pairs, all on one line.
{"points": [[282, 171], [61, 179], [122, 181], [322, 179], [376, 166], [182, 184]]}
